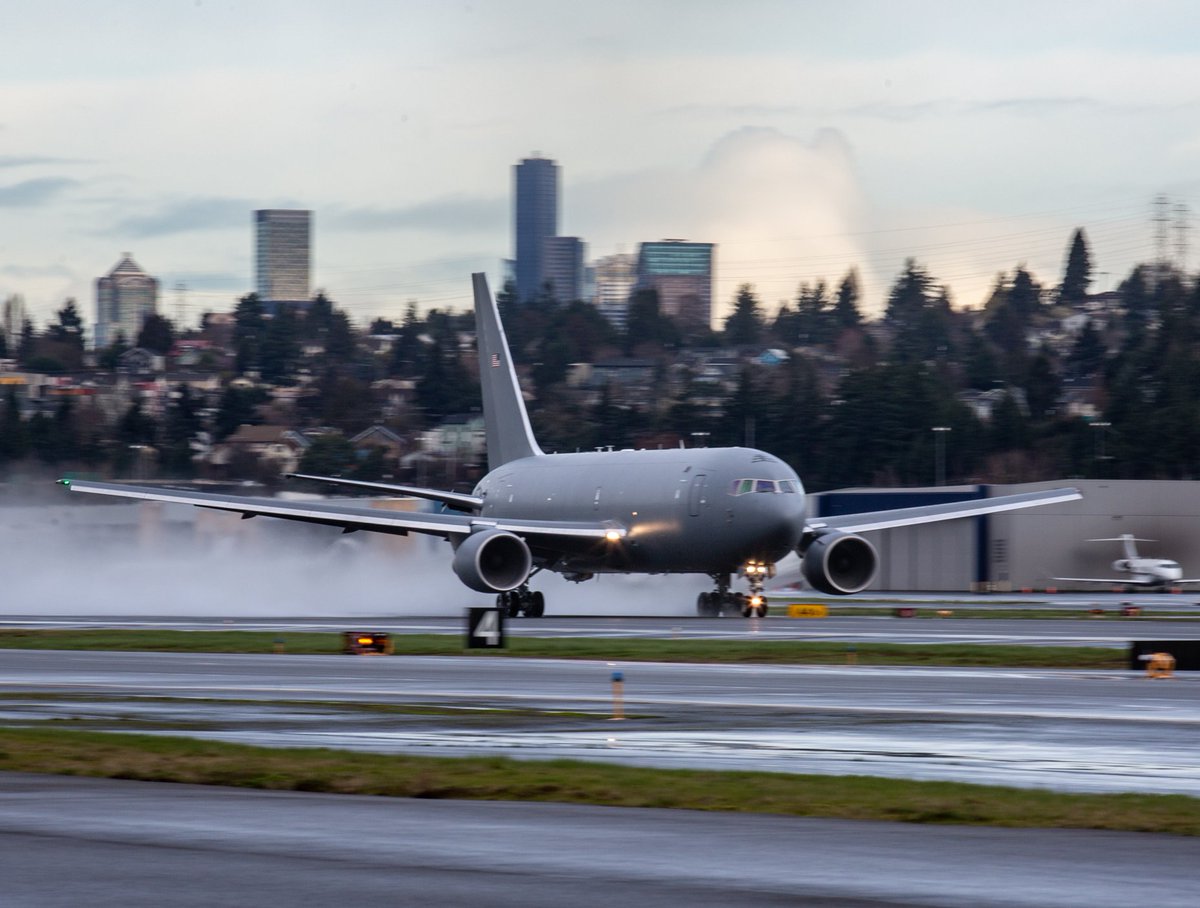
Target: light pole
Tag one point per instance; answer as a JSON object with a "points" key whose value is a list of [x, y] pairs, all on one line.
{"points": [[939, 452], [1098, 447]]}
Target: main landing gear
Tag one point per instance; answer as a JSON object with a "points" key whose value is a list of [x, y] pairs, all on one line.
{"points": [[522, 601], [726, 602]]}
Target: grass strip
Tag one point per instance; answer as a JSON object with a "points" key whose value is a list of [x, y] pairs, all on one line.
{"points": [[168, 759], [753, 650]]}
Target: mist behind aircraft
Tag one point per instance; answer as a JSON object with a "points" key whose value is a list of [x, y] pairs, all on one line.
{"points": [[102, 560]]}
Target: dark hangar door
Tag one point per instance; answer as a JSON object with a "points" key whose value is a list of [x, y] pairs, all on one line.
{"points": [[697, 496]]}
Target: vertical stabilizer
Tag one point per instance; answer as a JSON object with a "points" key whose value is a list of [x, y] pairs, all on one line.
{"points": [[509, 435], [1128, 540]]}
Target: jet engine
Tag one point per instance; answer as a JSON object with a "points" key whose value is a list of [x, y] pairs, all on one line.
{"points": [[1122, 565], [493, 561], [839, 563]]}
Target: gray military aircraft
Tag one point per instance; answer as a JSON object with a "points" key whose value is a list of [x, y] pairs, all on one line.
{"points": [[714, 511]]}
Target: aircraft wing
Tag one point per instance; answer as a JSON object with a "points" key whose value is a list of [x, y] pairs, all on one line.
{"points": [[456, 500], [350, 518], [899, 517]]}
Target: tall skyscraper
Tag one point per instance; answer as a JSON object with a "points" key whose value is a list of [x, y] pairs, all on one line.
{"points": [[282, 244], [12, 320], [536, 220], [615, 276], [562, 265], [682, 273], [124, 298]]}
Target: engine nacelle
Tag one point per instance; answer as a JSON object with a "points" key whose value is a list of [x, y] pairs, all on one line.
{"points": [[840, 564], [1122, 565], [493, 561]]}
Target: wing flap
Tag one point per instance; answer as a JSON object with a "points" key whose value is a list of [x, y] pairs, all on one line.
{"points": [[456, 500], [883, 520]]}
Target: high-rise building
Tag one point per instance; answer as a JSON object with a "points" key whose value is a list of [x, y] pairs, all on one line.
{"points": [[615, 276], [282, 244], [562, 266], [124, 298], [13, 321], [682, 273], [535, 190]]}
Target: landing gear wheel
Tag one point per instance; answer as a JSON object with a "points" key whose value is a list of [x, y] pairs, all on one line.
{"points": [[536, 606], [509, 604]]}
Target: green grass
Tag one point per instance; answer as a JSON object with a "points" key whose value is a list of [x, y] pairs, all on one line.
{"points": [[752, 650], [169, 759]]}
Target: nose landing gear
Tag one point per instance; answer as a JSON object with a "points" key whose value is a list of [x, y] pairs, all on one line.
{"points": [[724, 601], [756, 573]]}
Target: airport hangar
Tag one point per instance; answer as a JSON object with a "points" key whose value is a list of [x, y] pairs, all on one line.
{"points": [[1025, 550]]}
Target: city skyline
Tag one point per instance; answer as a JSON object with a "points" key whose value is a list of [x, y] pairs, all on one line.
{"points": [[802, 139]]}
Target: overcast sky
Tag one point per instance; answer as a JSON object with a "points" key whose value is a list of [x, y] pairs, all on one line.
{"points": [[804, 138]]}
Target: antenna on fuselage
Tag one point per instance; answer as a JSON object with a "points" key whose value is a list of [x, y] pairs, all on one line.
{"points": [[506, 422]]}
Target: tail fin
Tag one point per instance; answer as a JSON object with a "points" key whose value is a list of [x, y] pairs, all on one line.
{"points": [[509, 434], [1127, 541]]}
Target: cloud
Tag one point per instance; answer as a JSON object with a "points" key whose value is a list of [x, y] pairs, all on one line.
{"points": [[187, 215], [31, 193], [32, 160], [455, 214], [781, 210]]}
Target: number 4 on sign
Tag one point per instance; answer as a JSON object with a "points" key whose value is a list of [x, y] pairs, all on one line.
{"points": [[485, 628]]}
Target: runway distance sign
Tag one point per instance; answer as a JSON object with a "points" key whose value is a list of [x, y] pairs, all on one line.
{"points": [[807, 610], [485, 628]]}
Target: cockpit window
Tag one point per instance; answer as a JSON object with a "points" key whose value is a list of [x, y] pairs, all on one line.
{"points": [[768, 486]]}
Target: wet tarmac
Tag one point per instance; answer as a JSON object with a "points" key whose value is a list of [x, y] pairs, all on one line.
{"points": [[102, 843], [1110, 629], [1064, 730]]}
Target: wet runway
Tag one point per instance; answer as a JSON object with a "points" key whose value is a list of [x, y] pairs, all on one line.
{"points": [[1108, 630], [1068, 730], [71, 841]]}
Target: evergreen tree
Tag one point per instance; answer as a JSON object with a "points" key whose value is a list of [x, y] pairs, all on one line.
{"points": [[845, 307], [280, 349], [1087, 355], [27, 348], [248, 333], [645, 324], [13, 435], [328, 455], [237, 407], [180, 428], [1078, 274], [68, 329], [157, 334], [745, 326]]}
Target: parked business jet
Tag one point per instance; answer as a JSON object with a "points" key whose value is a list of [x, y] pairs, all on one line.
{"points": [[713, 511], [1137, 571]]}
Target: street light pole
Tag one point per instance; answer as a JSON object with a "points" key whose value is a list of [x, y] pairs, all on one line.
{"points": [[939, 450], [1098, 448]]}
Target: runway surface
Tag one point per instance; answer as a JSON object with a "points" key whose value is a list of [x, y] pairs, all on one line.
{"points": [[70, 841], [1068, 730], [1109, 630]]}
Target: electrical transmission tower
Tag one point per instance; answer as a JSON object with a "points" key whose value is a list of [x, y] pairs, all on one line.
{"points": [[1180, 228]]}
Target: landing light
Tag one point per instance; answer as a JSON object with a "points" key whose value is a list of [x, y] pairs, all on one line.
{"points": [[613, 535]]}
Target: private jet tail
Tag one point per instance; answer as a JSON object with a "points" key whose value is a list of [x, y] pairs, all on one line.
{"points": [[509, 434], [1127, 541]]}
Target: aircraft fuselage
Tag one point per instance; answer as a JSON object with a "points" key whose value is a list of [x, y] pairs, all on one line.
{"points": [[694, 510]]}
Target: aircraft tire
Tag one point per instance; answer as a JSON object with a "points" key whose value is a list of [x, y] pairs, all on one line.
{"points": [[536, 607]]}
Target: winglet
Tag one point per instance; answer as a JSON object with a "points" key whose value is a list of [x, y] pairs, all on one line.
{"points": [[509, 434]]}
